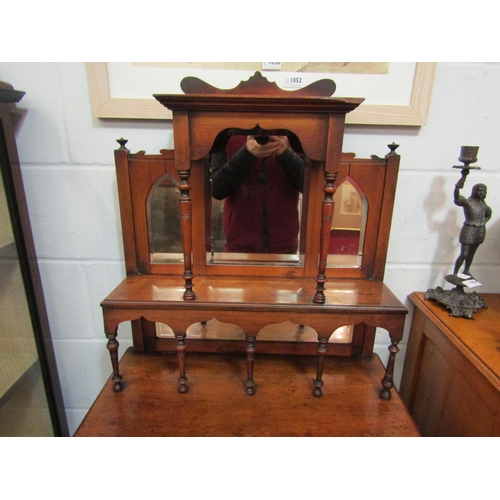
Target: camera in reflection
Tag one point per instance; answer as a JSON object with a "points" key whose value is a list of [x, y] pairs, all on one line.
{"points": [[262, 139]]}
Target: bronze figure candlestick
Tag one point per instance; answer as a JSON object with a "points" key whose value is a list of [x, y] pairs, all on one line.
{"points": [[473, 233]]}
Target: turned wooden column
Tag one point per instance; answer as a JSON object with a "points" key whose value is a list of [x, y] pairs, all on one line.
{"points": [[186, 211], [250, 350], [112, 346], [318, 382], [388, 380], [326, 225], [181, 358]]}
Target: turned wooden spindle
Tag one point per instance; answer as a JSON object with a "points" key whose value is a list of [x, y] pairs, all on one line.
{"points": [[112, 346], [181, 358], [326, 225], [388, 380], [318, 382], [186, 210], [250, 350]]}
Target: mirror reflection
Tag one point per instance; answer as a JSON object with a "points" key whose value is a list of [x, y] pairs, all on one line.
{"points": [[164, 226], [348, 226], [257, 181], [256, 214]]}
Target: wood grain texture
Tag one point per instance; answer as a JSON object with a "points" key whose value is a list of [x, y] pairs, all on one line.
{"points": [[217, 405], [451, 377], [255, 296], [252, 304], [258, 85]]}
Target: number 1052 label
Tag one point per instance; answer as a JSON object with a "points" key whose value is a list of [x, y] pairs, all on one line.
{"points": [[293, 81]]}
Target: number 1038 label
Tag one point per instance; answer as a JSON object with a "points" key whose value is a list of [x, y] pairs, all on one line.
{"points": [[293, 81]]}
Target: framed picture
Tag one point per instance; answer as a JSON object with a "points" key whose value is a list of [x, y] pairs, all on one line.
{"points": [[395, 93]]}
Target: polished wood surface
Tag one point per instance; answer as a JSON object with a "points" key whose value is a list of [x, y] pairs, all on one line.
{"points": [[259, 85], [260, 105], [348, 296], [194, 289], [251, 304], [137, 174], [160, 298], [217, 406], [451, 376]]}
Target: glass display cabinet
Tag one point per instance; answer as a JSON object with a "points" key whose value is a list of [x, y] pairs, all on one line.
{"points": [[30, 396], [186, 287]]}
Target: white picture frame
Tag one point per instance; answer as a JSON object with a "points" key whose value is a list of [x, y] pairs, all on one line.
{"points": [[107, 106]]}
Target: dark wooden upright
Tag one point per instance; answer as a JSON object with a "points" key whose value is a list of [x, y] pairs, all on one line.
{"points": [[26, 301], [251, 296]]}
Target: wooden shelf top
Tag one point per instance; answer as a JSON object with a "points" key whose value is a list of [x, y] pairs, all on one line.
{"points": [[216, 404], [478, 339], [152, 291]]}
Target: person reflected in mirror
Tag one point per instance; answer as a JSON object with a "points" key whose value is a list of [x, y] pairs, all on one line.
{"points": [[260, 179], [473, 232]]}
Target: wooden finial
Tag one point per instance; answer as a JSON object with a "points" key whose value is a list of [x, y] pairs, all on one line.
{"points": [[122, 143], [393, 148]]}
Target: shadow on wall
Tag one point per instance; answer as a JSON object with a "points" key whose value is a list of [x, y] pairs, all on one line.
{"points": [[447, 229], [489, 251]]}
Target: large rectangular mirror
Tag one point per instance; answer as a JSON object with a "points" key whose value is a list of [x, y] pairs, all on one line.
{"points": [[257, 183]]}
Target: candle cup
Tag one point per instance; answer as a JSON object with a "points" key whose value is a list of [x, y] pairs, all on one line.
{"points": [[468, 154]]}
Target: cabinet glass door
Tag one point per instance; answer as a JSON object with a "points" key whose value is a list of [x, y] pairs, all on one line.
{"points": [[27, 397]]}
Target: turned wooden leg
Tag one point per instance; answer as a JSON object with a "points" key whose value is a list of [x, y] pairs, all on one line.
{"points": [[387, 381], [181, 357], [113, 353], [318, 383], [250, 349]]}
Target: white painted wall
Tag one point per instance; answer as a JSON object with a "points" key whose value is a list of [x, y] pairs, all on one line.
{"points": [[68, 170]]}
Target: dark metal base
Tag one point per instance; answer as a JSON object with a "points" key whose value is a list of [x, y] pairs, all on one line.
{"points": [[460, 304]]}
